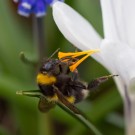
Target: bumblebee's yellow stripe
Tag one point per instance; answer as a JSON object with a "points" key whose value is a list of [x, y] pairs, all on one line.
{"points": [[45, 79], [70, 99]]}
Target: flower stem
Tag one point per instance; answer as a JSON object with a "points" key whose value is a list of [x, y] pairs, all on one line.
{"points": [[39, 36], [79, 117], [82, 119], [26, 60]]}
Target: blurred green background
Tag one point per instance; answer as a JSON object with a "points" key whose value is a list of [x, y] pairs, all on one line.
{"points": [[19, 115]]}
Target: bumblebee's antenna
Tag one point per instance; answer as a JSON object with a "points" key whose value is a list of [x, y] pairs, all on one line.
{"points": [[54, 53]]}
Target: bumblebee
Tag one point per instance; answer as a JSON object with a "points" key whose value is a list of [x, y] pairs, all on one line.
{"points": [[58, 81]]}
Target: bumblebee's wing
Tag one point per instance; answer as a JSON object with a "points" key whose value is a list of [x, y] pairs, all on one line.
{"points": [[44, 105], [66, 102]]}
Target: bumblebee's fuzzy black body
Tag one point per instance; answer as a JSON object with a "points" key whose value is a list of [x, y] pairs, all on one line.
{"points": [[68, 83]]}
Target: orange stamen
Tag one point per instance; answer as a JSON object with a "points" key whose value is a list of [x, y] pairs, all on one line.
{"points": [[73, 67], [62, 55], [76, 54]]}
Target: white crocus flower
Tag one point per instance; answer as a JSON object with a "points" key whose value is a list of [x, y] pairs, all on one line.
{"points": [[117, 49]]}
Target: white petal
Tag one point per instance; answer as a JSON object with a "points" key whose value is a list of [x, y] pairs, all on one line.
{"points": [[51, 4], [111, 11], [120, 59], [120, 85], [75, 28], [119, 20], [132, 88], [129, 20]]}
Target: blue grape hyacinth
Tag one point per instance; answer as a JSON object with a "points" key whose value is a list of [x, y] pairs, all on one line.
{"points": [[37, 7]]}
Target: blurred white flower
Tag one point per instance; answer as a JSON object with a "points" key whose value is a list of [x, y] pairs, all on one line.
{"points": [[117, 48]]}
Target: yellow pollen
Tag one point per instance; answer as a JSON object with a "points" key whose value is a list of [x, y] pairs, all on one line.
{"points": [[45, 79], [71, 99], [76, 54]]}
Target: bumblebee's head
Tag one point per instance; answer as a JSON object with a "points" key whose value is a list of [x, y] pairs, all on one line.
{"points": [[48, 72], [51, 67]]}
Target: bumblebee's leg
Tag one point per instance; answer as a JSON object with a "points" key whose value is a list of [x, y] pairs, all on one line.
{"points": [[95, 83], [64, 101]]}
